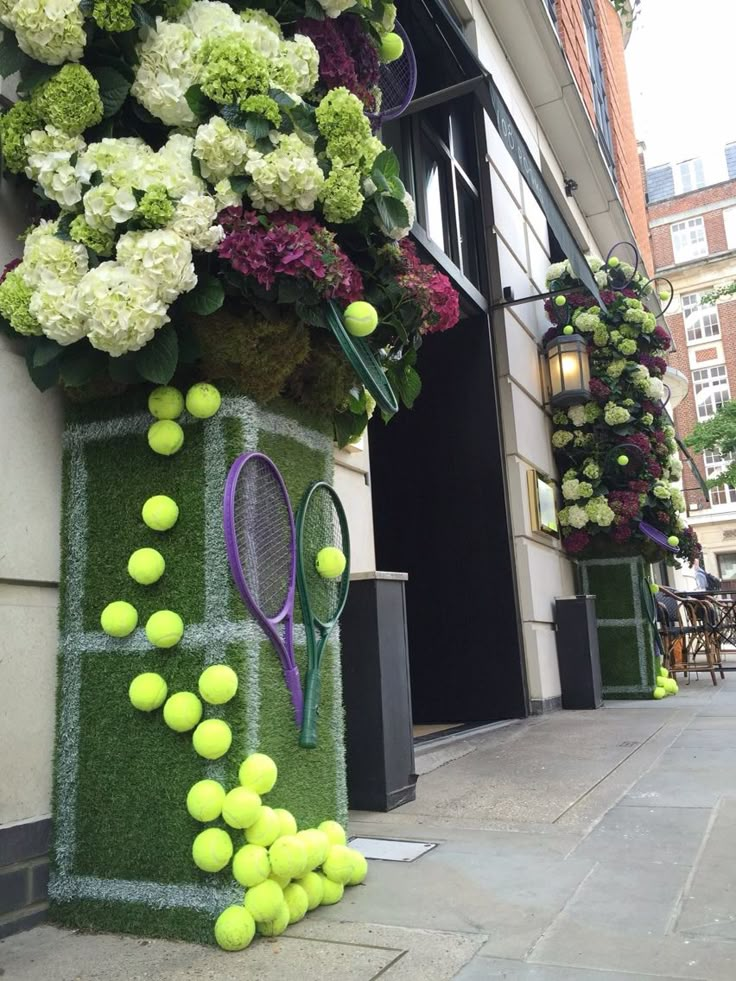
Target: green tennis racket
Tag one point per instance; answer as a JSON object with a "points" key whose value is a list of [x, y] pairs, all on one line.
{"points": [[320, 523], [363, 361]]}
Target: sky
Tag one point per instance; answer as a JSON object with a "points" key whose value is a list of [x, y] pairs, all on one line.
{"points": [[682, 70]]}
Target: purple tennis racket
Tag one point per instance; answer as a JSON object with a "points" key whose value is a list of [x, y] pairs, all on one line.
{"points": [[261, 548], [398, 83], [657, 536]]}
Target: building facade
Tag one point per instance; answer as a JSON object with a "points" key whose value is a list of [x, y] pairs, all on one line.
{"points": [[520, 134], [692, 220]]}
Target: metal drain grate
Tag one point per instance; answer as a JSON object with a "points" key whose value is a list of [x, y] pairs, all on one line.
{"points": [[392, 849]]}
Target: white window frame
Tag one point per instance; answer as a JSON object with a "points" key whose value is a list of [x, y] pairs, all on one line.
{"points": [[715, 463], [710, 389], [689, 240], [701, 322], [729, 222], [689, 175]]}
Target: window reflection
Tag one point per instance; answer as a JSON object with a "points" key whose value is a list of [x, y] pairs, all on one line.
{"points": [[434, 201]]}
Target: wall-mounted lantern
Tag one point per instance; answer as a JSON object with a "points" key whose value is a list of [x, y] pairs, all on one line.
{"points": [[569, 370]]}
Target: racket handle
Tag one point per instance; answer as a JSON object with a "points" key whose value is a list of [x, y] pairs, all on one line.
{"points": [[308, 739], [294, 684]]}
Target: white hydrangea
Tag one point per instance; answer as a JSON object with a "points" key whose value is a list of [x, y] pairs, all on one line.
{"points": [[51, 31], [210, 18], [576, 415], [601, 279], [571, 490], [6, 12], [122, 312], [222, 150], [655, 388], [262, 37], [678, 498], [302, 55], [558, 270], [195, 219], [577, 516], [675, 467], [106, 205], [48, 258], [161, 258], [168, 68], [172, 167], [116, 159], [55, 306], [226, 196], [50, 153], [289, 177], [333, 8], [594, 263]]}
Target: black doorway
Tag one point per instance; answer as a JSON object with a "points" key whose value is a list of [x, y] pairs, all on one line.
{"points": [[440, 514]]}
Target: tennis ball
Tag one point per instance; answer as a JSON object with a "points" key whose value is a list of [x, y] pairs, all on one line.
{"points": [[276, 926], [203, 400], [166, 402], [258, 773], [330, 562], [360, 868], [119, 619], [287, 822], [317, 844], [297, 901], [332, 892], [147, 691], [659, 692], [218, 684], [334, 831], [568, 329], [338, 866], [146, 566], [160, 513], [288, 857], [560, 301], [361, 319], [663, 295], [212, 850], [212, 738], [241, 808], [613, 262], [264, 830], [623, 460], [166, 437], [312, 885], [663, 672], [654, 588], [234, 928], [281, 880], [204, 800], [182, 711], [669, 685], [673, 540], [392, 47], [251, 866], [264, 901], [164, 628]]}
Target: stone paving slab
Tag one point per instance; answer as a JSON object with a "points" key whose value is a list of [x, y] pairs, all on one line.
{"points": [[486, 969], [709, 904], [647, 834]]}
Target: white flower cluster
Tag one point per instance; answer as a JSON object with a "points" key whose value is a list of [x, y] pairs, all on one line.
{"points": [[333, 8], [290, 177], [50, 155], [51, 31], [222, 150], [168, 67]]}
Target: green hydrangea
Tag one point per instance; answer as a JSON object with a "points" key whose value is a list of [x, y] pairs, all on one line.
{"points": [[587, 322], [15, 300], [156, 208], [615, 368], [113, 15], [561, 438], [343, 123], [570, 474], [559, 418], [662, 491], [341, 195], [283, 75], [263, 105], [15, 125], [647, 419], [232, 70], [634, 316], [261, 17], [593, 412], [99, 240], [70, 100], [174, 9], [599, 512], [616, 415], [591, 470], [585, 489], [600, 336], [583, 439], [627, 347]]}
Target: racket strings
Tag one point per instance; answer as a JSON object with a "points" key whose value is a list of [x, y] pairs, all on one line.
{"points": [[321, 528], [264, 536]]}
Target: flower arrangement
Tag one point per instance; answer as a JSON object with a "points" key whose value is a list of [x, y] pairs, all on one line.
{"points": [[617, 453], [195, 154]]}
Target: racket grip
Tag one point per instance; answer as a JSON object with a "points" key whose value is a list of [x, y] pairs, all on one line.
{"points": [[294, 684], [308, 739]]}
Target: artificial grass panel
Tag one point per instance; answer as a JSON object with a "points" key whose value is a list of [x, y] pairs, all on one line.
{"points": [[612, 587], [183, 924]]}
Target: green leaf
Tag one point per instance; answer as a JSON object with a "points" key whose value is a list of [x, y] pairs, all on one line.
{"points": [[233, 116], [312, 315], [86, 7], [257, 126], [157, 361], [393, 213], [282, 99], [305, 119], [12, 59], [387, 164], [80, 363], [313, 10], [198, 102], [142, 18], [32, 75], [123, 369], [43, 376], [65, 221], [349, 426], [409, 386], [207, 297], [45, 351], [189, 348], [114, 89], [239, 184], [396, 188]]}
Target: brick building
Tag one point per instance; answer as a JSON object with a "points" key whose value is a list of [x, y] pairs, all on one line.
{"points": [[692, 222]]}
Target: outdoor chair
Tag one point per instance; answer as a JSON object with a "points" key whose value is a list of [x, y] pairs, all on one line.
{"points": [[688, 635]]}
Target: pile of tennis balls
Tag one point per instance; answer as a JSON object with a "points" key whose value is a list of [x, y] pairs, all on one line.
{"points": [[665, 685], [146, 566], [286, 872]]}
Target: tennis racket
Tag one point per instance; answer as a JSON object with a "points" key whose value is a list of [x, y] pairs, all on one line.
{"points": [[363, 361], [261, 550], [320, 522]]}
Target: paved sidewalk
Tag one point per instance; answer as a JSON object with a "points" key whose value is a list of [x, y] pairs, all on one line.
{"points": [[586, 846]]}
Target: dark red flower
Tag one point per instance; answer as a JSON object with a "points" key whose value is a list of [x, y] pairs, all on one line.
{"points": [[576, 541]]}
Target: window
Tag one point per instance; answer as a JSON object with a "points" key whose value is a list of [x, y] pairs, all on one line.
{"points": [[731, 160], [711, 390], [689, 176], [688, 239], [716, 463], [729, 220], [552, 11], [597, 79], [700, 322], [727, 565]]}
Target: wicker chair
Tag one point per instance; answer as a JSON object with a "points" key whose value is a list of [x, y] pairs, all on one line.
{"points": [[688, 635]]}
